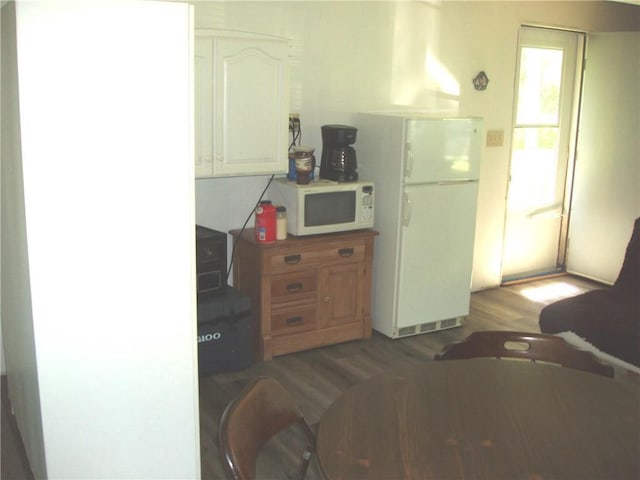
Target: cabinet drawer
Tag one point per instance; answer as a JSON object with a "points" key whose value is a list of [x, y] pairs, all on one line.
{"points": [[293, 286], [331, 254], [295, 320]]}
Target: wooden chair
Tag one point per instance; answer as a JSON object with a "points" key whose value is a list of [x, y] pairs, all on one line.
{"points": [[263, 409], [527, 346]]}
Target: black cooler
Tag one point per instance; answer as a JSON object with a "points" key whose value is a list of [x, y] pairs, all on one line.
{"points": [[224, 332]]}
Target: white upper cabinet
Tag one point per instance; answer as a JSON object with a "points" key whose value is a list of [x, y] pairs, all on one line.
{"points": [[241, 110]]}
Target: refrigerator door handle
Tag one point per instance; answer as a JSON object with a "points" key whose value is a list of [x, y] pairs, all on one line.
{"points": [[409, 163], [406, 210]]}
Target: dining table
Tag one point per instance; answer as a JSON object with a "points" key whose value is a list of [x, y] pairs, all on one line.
{"points": [[482, 419]]}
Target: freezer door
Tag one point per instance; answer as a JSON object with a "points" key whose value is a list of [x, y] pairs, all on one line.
{"points": [[436, 253], [441, 150]]}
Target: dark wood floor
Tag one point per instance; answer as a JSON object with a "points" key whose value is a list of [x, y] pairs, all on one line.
{"points": [[317, 377]]}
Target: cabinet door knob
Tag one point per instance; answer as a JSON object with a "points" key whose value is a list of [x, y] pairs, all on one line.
{"points": [[326, 299], [294, 287], [292, 259], [345, 252]]}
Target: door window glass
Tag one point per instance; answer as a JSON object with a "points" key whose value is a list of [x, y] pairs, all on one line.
{"points": [[534, 167], [539, 86]]}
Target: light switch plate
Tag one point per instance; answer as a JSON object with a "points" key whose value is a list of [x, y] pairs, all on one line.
{"points": [[495, 138]]}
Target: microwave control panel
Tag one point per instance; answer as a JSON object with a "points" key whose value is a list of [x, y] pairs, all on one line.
{"points": [[367, 202]]}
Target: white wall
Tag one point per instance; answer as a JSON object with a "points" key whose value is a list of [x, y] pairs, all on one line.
{"points": [[105, 302], [606, 194], [358, 56]]}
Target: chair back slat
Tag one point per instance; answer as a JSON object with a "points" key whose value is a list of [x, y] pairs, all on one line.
{"points": [[264, 409], [526, 346]]}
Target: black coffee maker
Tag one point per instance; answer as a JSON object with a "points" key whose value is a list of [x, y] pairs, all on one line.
{"points": [[338, 162]]}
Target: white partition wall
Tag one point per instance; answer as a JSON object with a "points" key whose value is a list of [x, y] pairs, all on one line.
{"points": [[105, 147]]}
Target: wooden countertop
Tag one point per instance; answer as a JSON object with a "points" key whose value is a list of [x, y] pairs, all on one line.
{"points": [[249, 235]]}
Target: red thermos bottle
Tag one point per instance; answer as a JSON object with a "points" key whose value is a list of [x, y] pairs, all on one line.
{"points": [[265, 222]]}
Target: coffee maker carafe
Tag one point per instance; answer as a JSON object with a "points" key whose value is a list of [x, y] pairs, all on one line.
{"points": [[338, 162]]}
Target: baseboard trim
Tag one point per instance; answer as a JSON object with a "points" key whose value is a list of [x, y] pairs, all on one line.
{"points": [[532, 278]]}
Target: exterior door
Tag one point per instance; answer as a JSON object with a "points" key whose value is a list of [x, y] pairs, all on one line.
{"points": [[548, 72]]}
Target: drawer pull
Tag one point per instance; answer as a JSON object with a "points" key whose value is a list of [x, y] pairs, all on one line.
{"points": [[292, 259], [293, 321], [345, 252], [294, 287]]}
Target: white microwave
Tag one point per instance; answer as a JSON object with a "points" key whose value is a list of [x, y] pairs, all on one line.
{"points": [[324, 206]]}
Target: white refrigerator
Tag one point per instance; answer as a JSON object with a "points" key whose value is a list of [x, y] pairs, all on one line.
{"points": [[425, 172]]}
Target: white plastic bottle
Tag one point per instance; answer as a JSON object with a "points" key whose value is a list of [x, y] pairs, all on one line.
{"points": [[281, 223]]}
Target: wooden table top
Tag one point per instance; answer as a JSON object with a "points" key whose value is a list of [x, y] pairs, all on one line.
{"points": [[483, 419]]}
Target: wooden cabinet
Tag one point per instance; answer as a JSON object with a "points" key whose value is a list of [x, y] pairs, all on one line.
{"points": [[306, 292], [241, 90]]}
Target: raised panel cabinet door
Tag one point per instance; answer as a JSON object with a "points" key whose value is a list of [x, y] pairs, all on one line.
{"points": [[340, 300], [250, 106], [203, 108]]}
